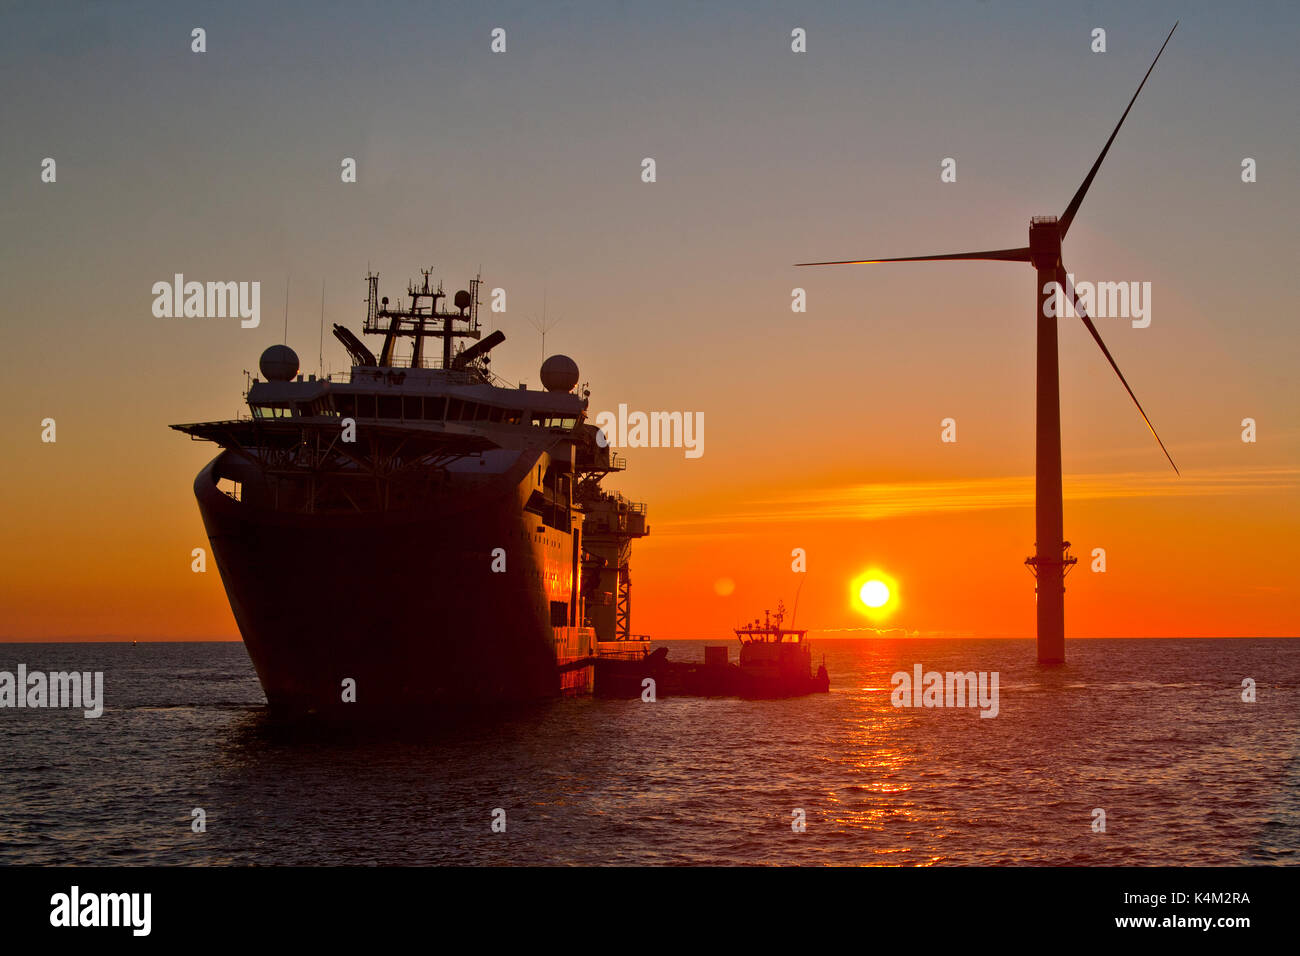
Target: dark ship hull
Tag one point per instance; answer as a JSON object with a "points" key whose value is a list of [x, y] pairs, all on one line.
{"points": [[404, 605]]}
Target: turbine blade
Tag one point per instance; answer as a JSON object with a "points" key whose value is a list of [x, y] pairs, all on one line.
{"points": [[1068, 216], [1063, 280], [1000, 255]]}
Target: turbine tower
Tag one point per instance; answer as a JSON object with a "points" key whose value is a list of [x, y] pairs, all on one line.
{"points": [[1051, 560]]}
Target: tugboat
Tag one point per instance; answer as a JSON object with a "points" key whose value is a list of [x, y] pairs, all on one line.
{"points": [[774, 662]]}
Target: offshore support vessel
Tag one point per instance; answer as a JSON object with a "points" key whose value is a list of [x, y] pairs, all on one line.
{"points": [[415, 533]]}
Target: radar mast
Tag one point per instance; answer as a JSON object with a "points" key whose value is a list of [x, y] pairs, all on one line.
{"points": [[423, 319]]}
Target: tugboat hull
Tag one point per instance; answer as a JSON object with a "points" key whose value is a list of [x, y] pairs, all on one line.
{"points": [[625, 679]]}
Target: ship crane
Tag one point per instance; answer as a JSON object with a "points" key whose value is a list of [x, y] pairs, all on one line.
{"points": [[611, 523]]}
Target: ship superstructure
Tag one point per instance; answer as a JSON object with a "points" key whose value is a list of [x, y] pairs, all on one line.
{"points": [[412, 532]]}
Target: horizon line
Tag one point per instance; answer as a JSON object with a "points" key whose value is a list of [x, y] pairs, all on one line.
{"points": [[811, 630]]}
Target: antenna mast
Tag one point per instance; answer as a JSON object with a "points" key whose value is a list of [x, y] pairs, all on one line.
{"points": [[320, 367], [544, 326]]}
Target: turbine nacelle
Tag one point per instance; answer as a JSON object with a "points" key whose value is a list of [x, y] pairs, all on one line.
{"points": [[1045, 243]]}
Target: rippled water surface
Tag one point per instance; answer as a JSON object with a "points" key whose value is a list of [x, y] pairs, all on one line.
{"points": [[1152, 731]]}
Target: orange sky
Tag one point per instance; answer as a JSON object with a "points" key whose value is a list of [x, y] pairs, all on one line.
{"points": [[956, 547], [1175, 549]]}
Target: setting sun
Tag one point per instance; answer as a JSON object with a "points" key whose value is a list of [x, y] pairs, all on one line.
{"points": [[874, 594]]}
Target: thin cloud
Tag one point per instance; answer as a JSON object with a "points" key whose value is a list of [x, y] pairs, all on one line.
{"points": [[873, 502]]}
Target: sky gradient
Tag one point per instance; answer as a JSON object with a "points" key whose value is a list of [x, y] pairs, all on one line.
{"points": [[822, 429]]}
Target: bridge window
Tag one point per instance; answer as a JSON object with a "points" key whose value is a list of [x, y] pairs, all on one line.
{"points": [[434, 408], [390, 406], [273, 410], [542, 420]]}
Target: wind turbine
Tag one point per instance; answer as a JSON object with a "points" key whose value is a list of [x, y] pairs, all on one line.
{"points": [[1051, 560]]}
